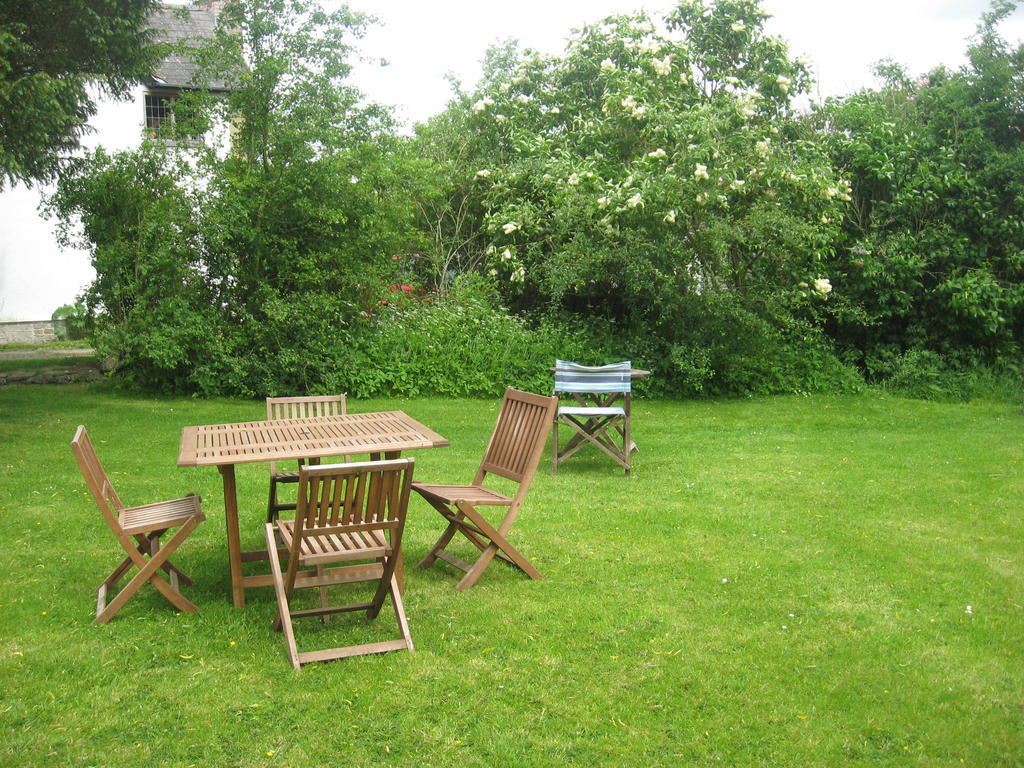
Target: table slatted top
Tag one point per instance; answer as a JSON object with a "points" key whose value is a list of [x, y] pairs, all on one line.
{"points": [[353, 433]]}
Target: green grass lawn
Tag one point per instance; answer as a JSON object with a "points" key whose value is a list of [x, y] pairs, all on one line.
{"points": [[783, 582]]}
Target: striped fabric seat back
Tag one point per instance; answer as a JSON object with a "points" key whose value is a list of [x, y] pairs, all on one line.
{"points": [[572, 377]]}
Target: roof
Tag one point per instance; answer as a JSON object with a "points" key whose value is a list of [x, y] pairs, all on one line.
{"points": [[177, 24]]}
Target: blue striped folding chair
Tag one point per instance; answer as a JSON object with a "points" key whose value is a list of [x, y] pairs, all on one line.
{"points": [[595, 418]]}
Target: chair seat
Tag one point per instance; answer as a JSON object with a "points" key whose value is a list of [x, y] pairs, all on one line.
{"points": [[473, 494], [161, 515], [331, 547], [578, 410], [285, 477]]}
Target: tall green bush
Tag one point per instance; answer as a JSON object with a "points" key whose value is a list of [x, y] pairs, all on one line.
{"points": [[934, 242], [652, 176]]}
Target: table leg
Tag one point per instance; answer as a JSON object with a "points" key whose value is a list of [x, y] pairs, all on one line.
{"points": [[227, 472]]}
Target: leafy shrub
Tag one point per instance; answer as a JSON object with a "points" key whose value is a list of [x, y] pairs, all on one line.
{"points": [[467, 345], [73, 320], [927, 375]]}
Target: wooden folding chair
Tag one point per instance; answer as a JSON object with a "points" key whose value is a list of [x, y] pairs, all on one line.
{"points": [[594, 419], [513, 452], [138, 529], [296, 408], [346, 513]]}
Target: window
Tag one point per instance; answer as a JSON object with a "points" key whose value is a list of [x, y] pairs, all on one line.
{"points": [[165, 111], [159, 114]]}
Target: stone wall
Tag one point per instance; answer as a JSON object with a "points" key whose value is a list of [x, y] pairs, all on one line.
{"points": [[29, 331]]}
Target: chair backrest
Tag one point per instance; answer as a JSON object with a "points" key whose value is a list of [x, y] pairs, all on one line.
{"points": [[305, 407], [573, 377], [96, 479], [346, 499], [518, 438]]}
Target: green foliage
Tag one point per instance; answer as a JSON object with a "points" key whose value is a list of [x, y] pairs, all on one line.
{"points": [[151, 306], [647, 179], [927, 375], [934, 239], [51, 52], [238, 269], [649, 194], [74, 321], [465, 346]]}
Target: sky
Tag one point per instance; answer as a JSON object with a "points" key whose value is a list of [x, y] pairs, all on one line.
{"points": [[426, 39]]}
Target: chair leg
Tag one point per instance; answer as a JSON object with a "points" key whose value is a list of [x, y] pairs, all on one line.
{"points": [[403, 622], [323, 595], [554, 446], [489, 540], [284, 617], [272, 506], [439, 545], [148, 572]]}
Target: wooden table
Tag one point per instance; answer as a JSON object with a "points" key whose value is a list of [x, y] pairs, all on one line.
{"points": [[225, 445]]}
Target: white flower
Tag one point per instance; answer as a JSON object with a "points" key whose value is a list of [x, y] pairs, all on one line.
{"points": [[573, 179], [822, 285], [746, 107], [969, 611], [684, 78], [737, 183], [504, 87], [510, 227], [635, 200], [484, 173], [353, 179], [519, 275], [738, 26], [670, 217], [732, 80], [524, 98], [482, 104], [784, 83], [762, 147], [629, 102], [701, 172], [658, 153], [602, 202], [506, 254], [492, 272], [650, 46], [556, 111], [500, 118], [608, 65], [663, 66]]}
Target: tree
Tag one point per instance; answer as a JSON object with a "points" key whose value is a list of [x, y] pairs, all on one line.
{"points": [[653, 180], [51, 53], [242, 269], [934, 254]]}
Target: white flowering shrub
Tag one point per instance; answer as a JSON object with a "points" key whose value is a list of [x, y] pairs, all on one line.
{"points": [[655, 162]]}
